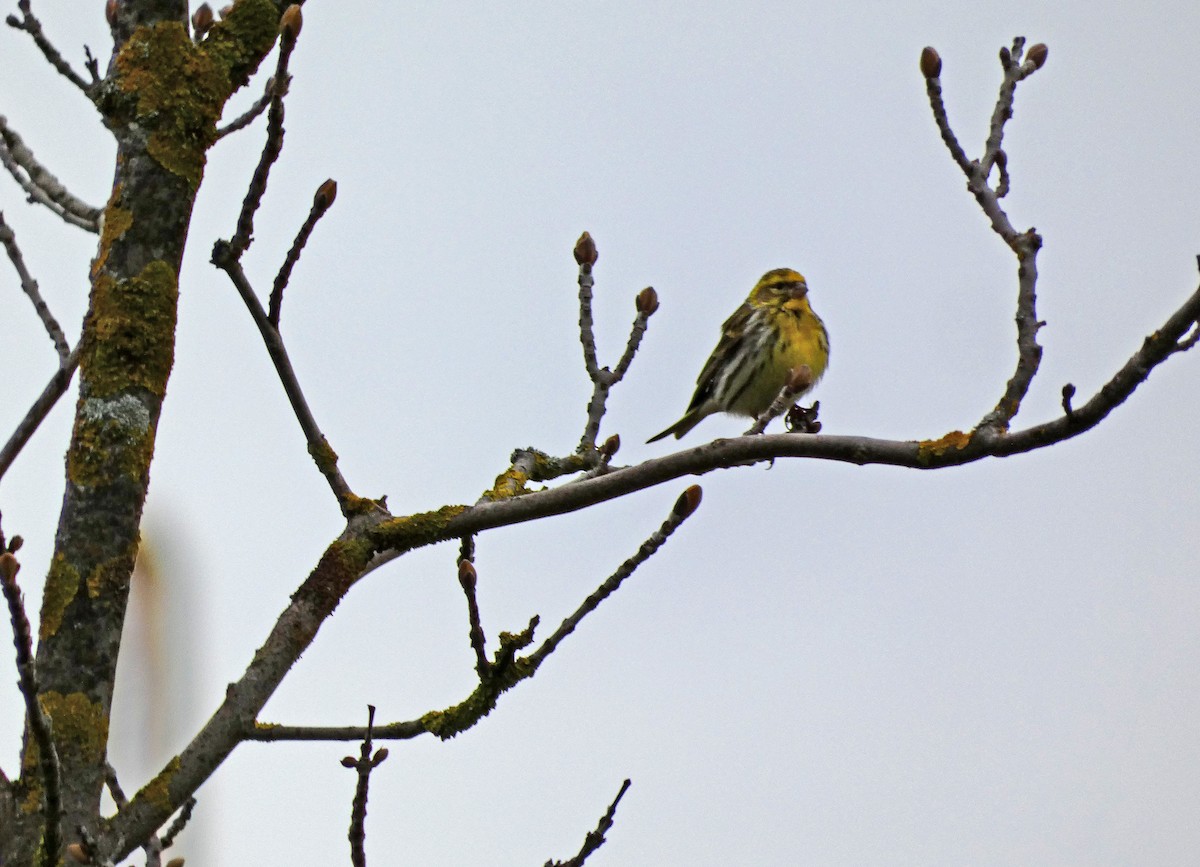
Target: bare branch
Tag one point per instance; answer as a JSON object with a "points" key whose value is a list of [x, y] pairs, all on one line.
{"points": [[245, 119], [1024, 244], [30, 24], [324, 197], [467, 577], [114, 786], [602, 378], [225, 258], [56, 388], [244, 235], [363, 765], [39, 724], [684, 507], [40, 185], [595, 839], [9, 240], [585, 256]]}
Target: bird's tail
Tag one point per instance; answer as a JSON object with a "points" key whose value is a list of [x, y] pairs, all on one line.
{"points": [[685, 424]]}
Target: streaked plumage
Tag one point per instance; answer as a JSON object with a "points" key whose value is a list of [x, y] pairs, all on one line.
{"points": [[774, 332]]}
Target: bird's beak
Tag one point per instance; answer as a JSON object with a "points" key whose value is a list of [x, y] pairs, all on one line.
{"points": [[800, 292]]}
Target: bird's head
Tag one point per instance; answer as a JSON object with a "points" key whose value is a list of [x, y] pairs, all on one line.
{"points": [[782, 287]]}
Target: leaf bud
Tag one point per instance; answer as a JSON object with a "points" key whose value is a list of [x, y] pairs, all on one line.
{"points": [[687, 503], [1037, 55], [9, 567], [647, 301], [609, 447], [75, 851], [800, 378], [467, 575], [290, 24], [931, 62], [326, 193], [202, 20], [585, 250]]}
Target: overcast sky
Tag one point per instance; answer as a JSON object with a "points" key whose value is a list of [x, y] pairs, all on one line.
{"points": [[826, 665]]}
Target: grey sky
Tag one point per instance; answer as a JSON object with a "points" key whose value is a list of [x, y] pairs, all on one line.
{"points": [[827, 664]]}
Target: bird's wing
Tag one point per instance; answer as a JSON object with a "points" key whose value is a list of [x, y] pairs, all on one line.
{"points": [[733, 332]]}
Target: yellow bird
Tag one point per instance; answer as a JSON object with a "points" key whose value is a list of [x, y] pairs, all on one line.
{"points": [[774, 332]]}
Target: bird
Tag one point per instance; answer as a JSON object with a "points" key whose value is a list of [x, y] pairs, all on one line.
{"points": [[771, 334]]}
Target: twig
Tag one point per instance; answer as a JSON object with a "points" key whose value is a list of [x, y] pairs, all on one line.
{"points": [[56, 388], [185, 816], [595, 839], [799, 381], [684, 507], [602, 378], [30, 24], [585, 256], [39, 724], [467, 577], [1024, 244], [324, 197], [533, 465], [225, 258], [114, 786], [363, 765], [289, 31], [9, 240], [40, 185], [245, 119]]}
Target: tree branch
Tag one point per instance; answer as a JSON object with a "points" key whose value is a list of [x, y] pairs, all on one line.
{"points": [[40, 185], [39, 724], [30, 24], [363, 765], [1024, 244], [289, 31], [595, 839], [224, 257], [56, 388], [602, 378], [9, 240], [323, 198]]}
